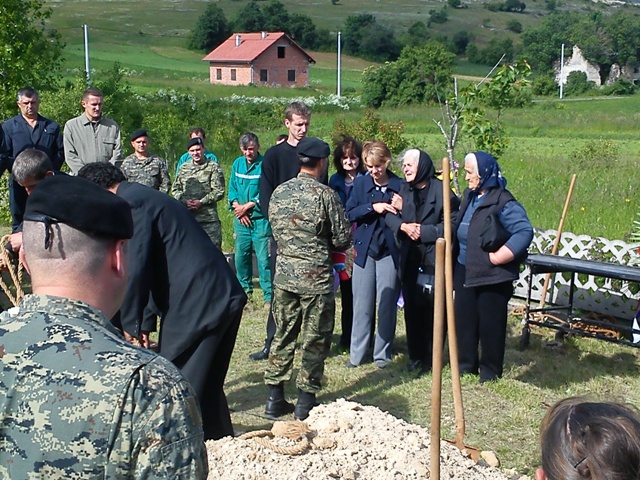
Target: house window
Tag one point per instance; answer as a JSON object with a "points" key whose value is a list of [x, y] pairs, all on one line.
{"points": [[280, 52], [233, 74], [218, 74], [292, 75], [264, 75]]}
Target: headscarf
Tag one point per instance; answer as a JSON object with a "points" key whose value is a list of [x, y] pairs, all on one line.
{"points": [[425, 171], [489, 172]]}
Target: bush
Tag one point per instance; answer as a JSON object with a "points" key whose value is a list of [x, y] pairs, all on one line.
{"points": [[619, 87], [544, 85], [372, 127], [577, 84], [514, 26]]}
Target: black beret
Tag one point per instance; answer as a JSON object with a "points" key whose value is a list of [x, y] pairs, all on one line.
{"points": [[137, 134], [82, 205], [194, 141], [313, 147]]}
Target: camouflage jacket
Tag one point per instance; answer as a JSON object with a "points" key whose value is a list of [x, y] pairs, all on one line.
{"points": [[200, 182], [151, 171], [77, 401], [308, 222]]}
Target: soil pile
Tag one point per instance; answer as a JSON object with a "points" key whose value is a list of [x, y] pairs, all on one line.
{"points": [[348, 441]]}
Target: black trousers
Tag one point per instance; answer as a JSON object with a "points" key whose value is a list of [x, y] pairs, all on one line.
{"points": [[346, 316], [271, 323], [418, 318], [481, 320], [205, 366]]}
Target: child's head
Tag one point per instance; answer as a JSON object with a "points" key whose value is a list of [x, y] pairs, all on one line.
{"points": [[581, 439]]}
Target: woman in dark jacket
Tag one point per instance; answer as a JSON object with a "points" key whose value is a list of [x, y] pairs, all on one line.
{"points": [[419, 224], [375, 280], [483, 280], [347, 158]]}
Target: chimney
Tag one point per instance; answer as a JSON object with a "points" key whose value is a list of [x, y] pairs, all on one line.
{"points": [[238, 40], [264, 35]]}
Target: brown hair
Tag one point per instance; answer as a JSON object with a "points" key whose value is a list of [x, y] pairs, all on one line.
{"points": [[581, 439], [376, 152], [297, 108], [347, 146], [91, 91]]}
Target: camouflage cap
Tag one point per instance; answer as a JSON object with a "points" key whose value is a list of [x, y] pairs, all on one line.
{"points": [[82, 205], [313, 148]]}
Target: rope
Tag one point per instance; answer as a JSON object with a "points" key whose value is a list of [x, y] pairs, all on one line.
{"points": [[14, 271], [296, 430]]}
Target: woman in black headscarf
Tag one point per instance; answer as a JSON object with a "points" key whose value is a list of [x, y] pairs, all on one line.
{"points": [[417, 226]]}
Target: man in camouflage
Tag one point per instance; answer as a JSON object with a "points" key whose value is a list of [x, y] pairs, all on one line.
{"points": [[200, 185], [308, 222], [143, 167], [76, 400]]}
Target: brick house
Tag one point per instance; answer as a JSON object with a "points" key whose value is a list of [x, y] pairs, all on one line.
{"points": [[263, 58]]}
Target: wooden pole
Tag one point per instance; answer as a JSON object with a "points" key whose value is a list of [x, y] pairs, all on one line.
{"points": [[451, 317], [554, 250], [436, 367]]}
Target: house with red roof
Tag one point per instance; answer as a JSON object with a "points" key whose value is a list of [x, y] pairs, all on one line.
{"points": [[262, 58]]}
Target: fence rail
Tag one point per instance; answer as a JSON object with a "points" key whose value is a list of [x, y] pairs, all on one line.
{"points": [[594, 294]]}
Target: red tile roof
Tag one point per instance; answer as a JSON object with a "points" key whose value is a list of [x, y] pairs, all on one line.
{"points": [[252, 45]]}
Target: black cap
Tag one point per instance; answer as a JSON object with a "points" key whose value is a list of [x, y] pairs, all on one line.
{"points": [[313, 147], [137, 134], [82, 205], [194, 141]]}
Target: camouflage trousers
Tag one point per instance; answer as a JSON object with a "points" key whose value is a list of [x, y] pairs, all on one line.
{"points": [[214, 230], [310, 317]]}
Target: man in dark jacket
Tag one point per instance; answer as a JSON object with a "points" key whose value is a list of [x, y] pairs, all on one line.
{"points": [[28, 129], [197, 294]]}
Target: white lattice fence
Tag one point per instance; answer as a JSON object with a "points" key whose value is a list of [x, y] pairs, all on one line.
{"points": [[594, 294]]}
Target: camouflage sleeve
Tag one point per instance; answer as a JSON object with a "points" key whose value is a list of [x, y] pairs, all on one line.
{"points": [[217, 186], [177, 190], [165, 181], [341, 236], [168, 434]]}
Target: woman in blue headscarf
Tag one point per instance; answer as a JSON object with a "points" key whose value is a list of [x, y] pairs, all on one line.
{"points": [[417, 226], [493, 235]]}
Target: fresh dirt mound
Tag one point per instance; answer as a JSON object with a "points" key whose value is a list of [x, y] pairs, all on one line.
{"points": [[349, 441]]}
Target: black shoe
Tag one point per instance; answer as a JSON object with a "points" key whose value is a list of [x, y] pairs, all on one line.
{"points": [[276, 405], [261, 355], [306, 401], [419, 366]]}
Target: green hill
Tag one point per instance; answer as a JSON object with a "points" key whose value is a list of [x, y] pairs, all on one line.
{"points": [[148, 37]]}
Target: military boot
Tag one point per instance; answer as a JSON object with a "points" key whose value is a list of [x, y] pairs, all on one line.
{"points": [[306, 401], [277, 406]]}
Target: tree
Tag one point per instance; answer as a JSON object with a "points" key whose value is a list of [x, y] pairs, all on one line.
{"points": [[514, 26], [355, 27], [415, 78], [460, 41], [364, 37], [29, 54], [249, 19], [210, 30], [417, 35], [276, 17]]}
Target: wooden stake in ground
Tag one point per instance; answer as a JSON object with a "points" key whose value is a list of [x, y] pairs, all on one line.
{"points": [[554, 250], [474, 453], [436, 365]]}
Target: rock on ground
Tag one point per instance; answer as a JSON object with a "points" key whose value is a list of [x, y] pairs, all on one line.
{"points": [[349, 441]]}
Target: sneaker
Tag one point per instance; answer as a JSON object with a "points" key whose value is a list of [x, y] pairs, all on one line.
{"points": [[382, 363], [350, 365]]}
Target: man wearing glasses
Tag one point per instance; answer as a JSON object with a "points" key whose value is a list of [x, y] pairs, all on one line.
{"points": [[28, 129]]}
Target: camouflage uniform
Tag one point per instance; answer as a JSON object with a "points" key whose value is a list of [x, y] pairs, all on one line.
{"points": [[151, 171], [205, 183], [78, 402], [308, 221]]}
